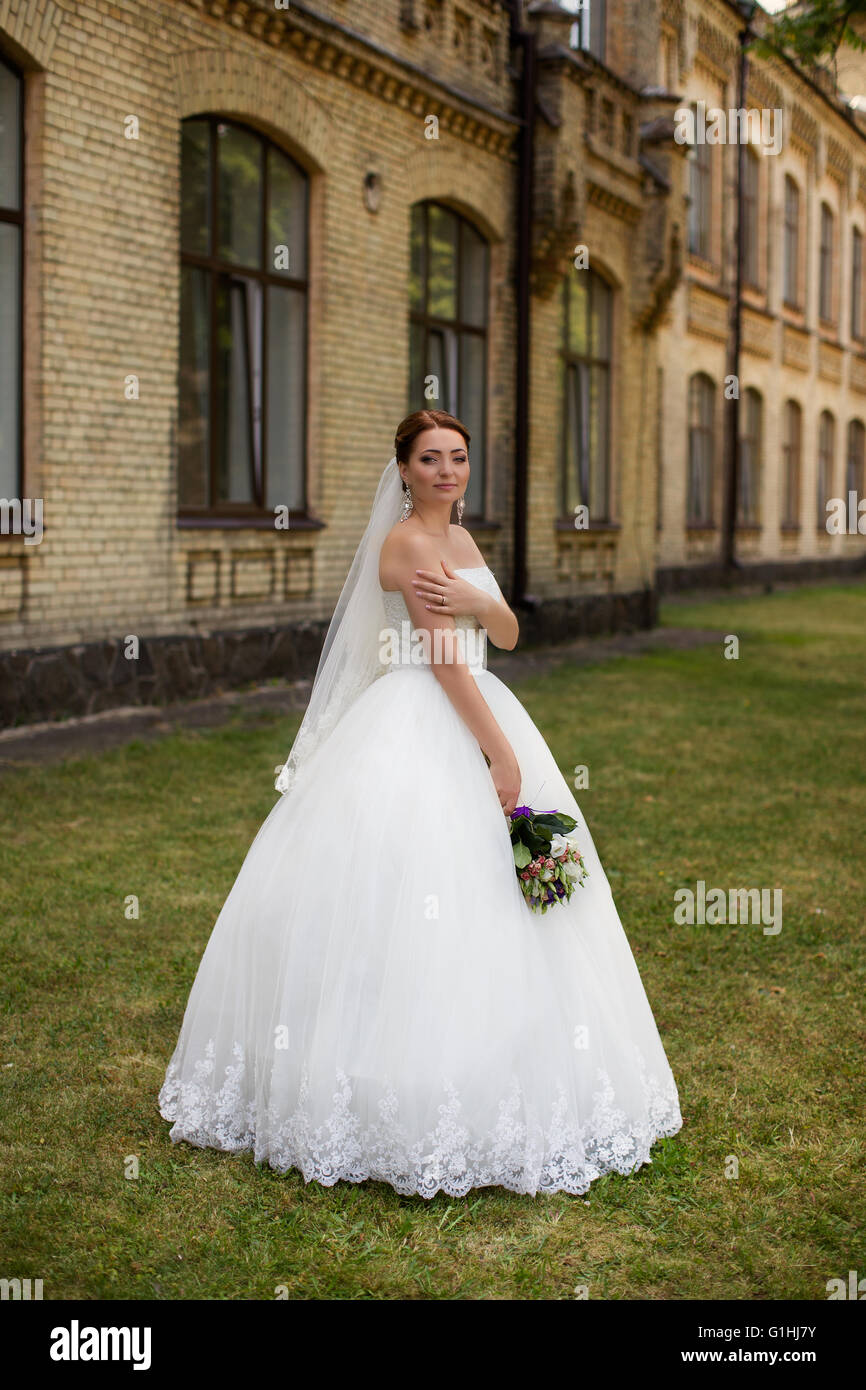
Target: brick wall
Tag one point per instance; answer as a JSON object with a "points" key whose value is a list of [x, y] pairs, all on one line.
{"points": [[345, 90], [787, 353], [102, 295]]}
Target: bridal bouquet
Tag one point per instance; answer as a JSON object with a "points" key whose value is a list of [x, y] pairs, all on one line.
{"points": [[549, 864]]}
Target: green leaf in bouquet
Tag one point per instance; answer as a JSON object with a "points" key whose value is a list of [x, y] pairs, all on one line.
{"points": [[521, 855], [558, 821]]}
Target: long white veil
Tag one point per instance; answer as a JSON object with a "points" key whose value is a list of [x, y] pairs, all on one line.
{"points": [[350, 656]]}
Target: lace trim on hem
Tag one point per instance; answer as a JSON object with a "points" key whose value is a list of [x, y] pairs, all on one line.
{"points": [[561, 1157]]}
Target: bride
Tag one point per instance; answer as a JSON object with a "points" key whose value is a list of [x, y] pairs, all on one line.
{"points": [[376, 999]]}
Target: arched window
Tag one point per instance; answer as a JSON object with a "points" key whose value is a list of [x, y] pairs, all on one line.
{"points": [[448, 291], [11, 267], [585, 368], [826, 451], [243, 335], [791, 448], [854, 470], [751, 458], [825, 265], [792, 243], [702, 412]]}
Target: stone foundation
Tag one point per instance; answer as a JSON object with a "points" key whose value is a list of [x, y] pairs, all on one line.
{"points": [[55, 682], [58, 682], [678, 578], [561, 620]]}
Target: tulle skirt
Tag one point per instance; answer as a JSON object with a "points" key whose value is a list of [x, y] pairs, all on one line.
{"points": [[376, 999]]}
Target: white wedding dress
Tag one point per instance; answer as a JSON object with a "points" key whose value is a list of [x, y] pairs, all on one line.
{"points": [[377, 1000]]}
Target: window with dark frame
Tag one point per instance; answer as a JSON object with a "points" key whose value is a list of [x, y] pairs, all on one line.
{"points": [[699, 491], [854, 470], [589, 30], [701, 200], [856, 283], [826, 451], [751, 459], [243, 332], [792, 244], [751, 220], [448, 309], [586, 305], [11, 279], [791, 449], [825, 266]]}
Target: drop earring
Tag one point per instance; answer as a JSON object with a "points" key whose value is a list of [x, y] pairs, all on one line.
{"points": [[407, 504], [460, 505]]}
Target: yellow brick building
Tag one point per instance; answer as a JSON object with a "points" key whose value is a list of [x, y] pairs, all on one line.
{"points": [[240, 240], [802, 377]]}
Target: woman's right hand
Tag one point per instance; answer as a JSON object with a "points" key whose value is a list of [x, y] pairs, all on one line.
{"points": [[505, 771]]}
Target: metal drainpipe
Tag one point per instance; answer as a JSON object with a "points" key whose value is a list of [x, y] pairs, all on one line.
{"points": [[525, 40], [729, 556]]}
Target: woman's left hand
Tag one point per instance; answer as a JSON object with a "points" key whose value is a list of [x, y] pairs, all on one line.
{"points": [[447, 593]]}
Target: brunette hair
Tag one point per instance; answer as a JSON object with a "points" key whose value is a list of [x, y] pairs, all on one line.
{"points": [[409, 429]]}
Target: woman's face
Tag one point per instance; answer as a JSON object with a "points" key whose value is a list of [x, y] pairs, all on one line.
{"points": [[438, 467]]}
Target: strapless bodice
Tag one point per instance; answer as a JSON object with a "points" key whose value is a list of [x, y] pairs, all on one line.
{"points": [[401, 652]]}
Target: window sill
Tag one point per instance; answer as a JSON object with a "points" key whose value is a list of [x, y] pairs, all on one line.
{"points": [[566, 524], [749, 528], [790, 528], [254, 521], [699, 262], [701, 528], [607, 150], [480, 523]]}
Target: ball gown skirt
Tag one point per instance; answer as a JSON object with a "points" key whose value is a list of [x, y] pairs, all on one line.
{"points": [[376, 999]]}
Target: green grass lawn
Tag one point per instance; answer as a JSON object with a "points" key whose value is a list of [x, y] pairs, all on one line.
{"points": [[741, 773]]}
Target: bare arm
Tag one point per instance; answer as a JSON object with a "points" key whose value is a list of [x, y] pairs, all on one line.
{"points": [[461, 598], [501, 624], [450, 669]]}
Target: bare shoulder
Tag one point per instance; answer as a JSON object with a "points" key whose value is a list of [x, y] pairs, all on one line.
{"points": [[465, 548], [406, 549], [403, 549]]}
